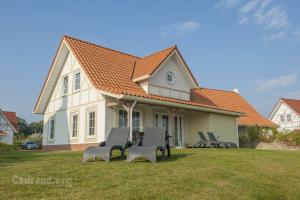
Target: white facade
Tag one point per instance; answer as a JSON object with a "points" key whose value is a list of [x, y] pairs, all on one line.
{"points": [[61, 107], [6, 128], [285, 117]]}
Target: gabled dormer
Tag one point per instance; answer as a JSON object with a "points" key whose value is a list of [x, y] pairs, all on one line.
{"points": [[165, 73]]}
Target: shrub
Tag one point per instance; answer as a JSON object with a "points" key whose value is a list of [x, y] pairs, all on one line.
{"points": [[7, 147], [290, 138]]}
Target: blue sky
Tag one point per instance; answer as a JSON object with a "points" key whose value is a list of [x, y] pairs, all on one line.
{"points": [[252, 45]]}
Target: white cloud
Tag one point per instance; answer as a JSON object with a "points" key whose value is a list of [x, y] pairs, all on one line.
{"points": [[268, 14], [274, 17], [275, 83], [180, 28], [277, 36], [249, 6], [227, 4]]}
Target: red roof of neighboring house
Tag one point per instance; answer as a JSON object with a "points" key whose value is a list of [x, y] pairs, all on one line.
{"points": [[12, 118], [293, 104], [232, 101], [113, 71], [2, 133]]}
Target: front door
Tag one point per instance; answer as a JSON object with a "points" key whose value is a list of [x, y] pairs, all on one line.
{"points": [[178, 130]]}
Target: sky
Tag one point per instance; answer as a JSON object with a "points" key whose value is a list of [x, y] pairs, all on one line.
{"points": [[252, 45]]}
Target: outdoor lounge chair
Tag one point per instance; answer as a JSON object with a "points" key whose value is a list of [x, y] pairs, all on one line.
{"points": [[153, 140], [117, 139], [203, 142], [214, 139]]}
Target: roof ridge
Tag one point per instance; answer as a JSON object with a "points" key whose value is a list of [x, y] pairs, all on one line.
{"points": [[98, 45], [157, 52], [289, 99], [215, 89]]}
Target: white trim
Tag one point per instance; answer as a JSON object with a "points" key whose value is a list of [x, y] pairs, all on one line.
{"points": [[145, 77]]}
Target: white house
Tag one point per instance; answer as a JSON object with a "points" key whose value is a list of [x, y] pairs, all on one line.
{"points": [[8, 126], [286, 114], [90, 89]]}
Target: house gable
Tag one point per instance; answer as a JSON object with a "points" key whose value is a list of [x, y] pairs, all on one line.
{"points": [[171, 79], [51, 98], [283, 110]]}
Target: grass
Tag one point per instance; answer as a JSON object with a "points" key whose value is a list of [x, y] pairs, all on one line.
{"points": [[189, 174]]}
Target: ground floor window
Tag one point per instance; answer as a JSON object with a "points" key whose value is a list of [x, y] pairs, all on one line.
{"points": [[136, 120], [91, 122], [52, 128], [74, 125]]}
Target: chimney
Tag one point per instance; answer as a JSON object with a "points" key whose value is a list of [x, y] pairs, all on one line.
{"points": [[236, 90]]}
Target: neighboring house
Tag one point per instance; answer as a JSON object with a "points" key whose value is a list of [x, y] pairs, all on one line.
{"points": [[8, 126], [286, 114], [90, 89]]}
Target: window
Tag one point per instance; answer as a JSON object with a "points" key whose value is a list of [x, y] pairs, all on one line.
{"points": [[77, 81], [170, 77], [65, 85], [123, 121], [91, 123], [74, 125], [135, 121], [52, 129], [288, 118], [282, 118]]}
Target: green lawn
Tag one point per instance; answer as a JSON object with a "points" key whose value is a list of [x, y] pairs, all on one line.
{"points": [[189, 174]]}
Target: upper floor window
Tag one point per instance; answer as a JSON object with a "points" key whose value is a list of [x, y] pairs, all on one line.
{"points": [[170, 77], [52, 128], [77, 81], [74, 125], [91, 122], [288, 118], [282, 118], [65, 85]]}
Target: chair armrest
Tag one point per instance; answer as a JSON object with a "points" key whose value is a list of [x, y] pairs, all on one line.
{"points": [[128, 144], [102, 144]]}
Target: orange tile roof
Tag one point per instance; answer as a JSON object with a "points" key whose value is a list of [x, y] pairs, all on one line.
{"points": [[112, 71], [232, 101], [12, 118], [148, 64], [293, 104]]}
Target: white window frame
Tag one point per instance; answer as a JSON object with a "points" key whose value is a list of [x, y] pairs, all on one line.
{"points": [[72, 123], [65, 90], [287, 118], [74, 84], [50, 128], [88, 123]]}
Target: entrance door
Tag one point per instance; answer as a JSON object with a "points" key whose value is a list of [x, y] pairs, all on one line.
{"points": [[178, 130]]}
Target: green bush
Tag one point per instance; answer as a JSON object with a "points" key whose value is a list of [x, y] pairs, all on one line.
{"points": [[291, 138], [7, 147]]}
